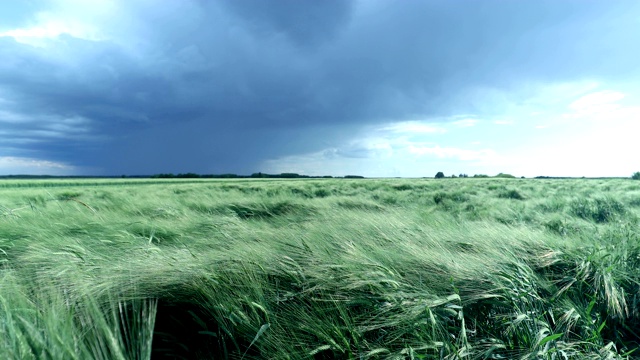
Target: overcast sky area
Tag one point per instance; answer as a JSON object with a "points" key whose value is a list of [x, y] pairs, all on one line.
{"points": [[332, 87]]}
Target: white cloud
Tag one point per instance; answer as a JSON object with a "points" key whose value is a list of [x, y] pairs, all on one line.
{"points": [[41, 34], [596, 103], [453, 153], [595, 142], [326, 162], [465, 123], [78, 18], [22, 165], [371, 157], [604, 109], [413, 127], [410, 161], [9, 117]]}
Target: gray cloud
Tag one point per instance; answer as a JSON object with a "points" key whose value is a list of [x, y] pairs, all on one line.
{"points": [[306, 24], [219, 87]]}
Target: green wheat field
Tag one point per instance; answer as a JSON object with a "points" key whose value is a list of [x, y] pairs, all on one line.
{"points": [[320, 269]]}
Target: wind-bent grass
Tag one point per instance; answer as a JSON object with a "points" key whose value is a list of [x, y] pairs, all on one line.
{"points": [[324, 269]]}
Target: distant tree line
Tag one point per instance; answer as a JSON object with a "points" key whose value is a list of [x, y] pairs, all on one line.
{"points": [[259, 175], [190, 175], [180, 176], [441, 175]]}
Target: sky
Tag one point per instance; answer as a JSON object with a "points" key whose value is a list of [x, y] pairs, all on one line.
{"points": [[377, 88]]}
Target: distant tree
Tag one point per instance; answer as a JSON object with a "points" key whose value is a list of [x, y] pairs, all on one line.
{"points": [[439, 175], [453, 176], [636, 175], [505, 176], [354, 177], [480, 176]]}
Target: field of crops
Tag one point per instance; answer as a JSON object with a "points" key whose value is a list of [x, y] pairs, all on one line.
{"points": [[320, 269]]}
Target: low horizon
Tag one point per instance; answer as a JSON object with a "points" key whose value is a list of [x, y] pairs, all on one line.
{"points": [[372, 88], [254, 175]]}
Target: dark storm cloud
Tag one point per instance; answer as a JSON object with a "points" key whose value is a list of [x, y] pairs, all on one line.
{"points": [[220, 87]]}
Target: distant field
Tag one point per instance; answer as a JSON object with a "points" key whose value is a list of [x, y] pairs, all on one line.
{"points": [[320, 269]]}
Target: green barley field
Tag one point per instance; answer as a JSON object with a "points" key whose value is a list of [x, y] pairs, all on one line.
{"points": [[320, 269]]}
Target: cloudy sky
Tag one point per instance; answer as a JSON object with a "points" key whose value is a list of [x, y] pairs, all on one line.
{"points": [[332, 87]]}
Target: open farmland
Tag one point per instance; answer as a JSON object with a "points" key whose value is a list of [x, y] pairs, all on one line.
{"points": [[324, 269]]}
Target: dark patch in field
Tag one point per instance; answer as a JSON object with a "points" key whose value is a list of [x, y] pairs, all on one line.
{"points": [[304, 193], [186, 331], [359, 205], [402, 187], [385, 198], [269, 210], [443, 197], [466, 247], [600, 210], [68, 195], [311, 193], [179, 191], [321, 193], [561, 227], [245, 189], [255, 210], [511, 194]]}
